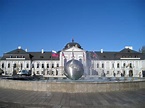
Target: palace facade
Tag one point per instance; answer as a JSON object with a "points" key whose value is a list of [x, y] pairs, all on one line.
{"points": [[127, 62]]}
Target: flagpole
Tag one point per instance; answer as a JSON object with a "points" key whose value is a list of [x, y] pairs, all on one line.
{"points": [[72, 54], [62, 63], [93, 61], [51, 62]]}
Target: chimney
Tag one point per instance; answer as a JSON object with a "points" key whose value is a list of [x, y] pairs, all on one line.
{"points": [[42, 51], [101, 50], [26, 49]]}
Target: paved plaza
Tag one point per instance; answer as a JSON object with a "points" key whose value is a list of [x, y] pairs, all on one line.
{"points": [[10, 98]]}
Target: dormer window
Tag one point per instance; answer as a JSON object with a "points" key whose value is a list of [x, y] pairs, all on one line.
{"points": [[41, 57], [135, 56]]}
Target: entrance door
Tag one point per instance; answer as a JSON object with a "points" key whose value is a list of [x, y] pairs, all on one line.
{"points": [[143, 73], [130, 73]]}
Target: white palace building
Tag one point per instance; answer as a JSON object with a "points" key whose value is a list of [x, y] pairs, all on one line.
{"points": [[127, 62]]}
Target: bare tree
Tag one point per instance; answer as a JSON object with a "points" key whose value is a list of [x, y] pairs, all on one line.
{"points": [[142, 50]]}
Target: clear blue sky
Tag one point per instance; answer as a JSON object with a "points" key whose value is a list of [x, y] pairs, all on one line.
{"points": [[50, 24]]}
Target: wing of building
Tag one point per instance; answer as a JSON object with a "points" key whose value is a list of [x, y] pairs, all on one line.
{"points": [[127, 62]]}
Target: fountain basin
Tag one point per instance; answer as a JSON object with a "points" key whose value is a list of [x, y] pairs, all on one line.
{"points": [[72, 86]]}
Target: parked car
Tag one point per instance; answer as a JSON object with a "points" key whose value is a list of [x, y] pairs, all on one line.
{"points": [[24, 72]]}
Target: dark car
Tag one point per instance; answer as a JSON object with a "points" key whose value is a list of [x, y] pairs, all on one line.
{"points": [[24, 72]]}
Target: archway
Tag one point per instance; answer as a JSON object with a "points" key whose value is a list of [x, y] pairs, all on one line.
{"points": [[130, 73], [143, 73], [124, 73]]}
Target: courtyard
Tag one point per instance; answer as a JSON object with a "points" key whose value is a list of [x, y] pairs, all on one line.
{"points": [[10, 98]]}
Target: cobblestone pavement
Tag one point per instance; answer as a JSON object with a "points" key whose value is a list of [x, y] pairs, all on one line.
{"points": [[10, 98]]}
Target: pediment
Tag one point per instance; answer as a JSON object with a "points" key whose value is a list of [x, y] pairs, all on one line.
{"points": [[74, 49]]}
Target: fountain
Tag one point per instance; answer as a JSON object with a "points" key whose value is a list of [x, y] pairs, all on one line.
{"points": [[73, 69]]}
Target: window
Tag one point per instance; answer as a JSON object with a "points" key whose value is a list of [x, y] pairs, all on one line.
{"points": [[2, 65], [130, 65], [43, 72], [124, 73], [47, 72], [52, 66], [9, 65], [117, 65], [41, 57], [21, 66], [102, 65], [37, 65], [37, 72], [97, 65], [112, 65], [57, 65], [47, 65], [27, 66], [124, 64], [32, 65], [80, 60], [42, 65], [14, 65], [56, 72]]}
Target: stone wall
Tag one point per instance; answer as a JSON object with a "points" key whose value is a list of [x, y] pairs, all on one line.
{"points": [[71, 87]]}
